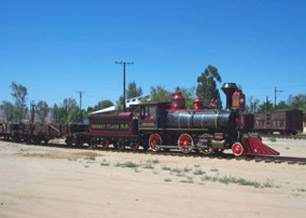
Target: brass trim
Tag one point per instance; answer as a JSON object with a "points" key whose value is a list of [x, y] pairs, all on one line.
{"points": [[202, 120], [179, 120], [188, 121], [216, 120]]}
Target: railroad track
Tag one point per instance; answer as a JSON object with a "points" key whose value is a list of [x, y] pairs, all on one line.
{"points": [[225, 156], [259, 158], [302, 137]]}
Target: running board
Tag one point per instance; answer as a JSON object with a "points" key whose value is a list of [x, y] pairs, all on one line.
{"points": [[177, 147], [254, 146]]}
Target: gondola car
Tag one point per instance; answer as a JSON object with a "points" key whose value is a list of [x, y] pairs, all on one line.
{"points": [[284, 122]]}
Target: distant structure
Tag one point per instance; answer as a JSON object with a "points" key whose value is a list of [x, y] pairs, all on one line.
{"points": [[128, 102]]}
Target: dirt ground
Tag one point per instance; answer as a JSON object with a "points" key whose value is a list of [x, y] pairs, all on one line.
{"points": [[37, 181]]}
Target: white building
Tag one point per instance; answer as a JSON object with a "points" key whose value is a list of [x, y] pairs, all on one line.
{"points": [[128, 102]]}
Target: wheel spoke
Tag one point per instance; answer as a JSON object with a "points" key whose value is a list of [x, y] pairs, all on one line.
{"points": [[105, 143], [185, 143], [238, 149], [120, 144], [135, 146], [155, 139]]}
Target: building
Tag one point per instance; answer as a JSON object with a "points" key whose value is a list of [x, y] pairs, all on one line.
{"points": [[128, 102]]}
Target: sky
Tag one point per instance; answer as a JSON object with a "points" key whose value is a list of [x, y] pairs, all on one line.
{"points": [[56, 48]]}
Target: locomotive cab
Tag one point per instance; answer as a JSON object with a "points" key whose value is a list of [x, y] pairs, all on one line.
{"points": [[151, 115]]}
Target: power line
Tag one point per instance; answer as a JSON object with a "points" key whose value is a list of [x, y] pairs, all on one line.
{"points": [[270, 87], [275, 95]]}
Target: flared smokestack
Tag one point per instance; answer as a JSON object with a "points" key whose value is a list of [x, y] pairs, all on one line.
{"points": [[229, 89]]}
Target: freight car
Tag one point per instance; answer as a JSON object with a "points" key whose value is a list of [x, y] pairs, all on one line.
{"points": [[284, 122], [156, 125], [42, 133]]}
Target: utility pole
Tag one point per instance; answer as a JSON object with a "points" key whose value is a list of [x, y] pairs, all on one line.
{"points": [[124, 65], [81, 94], [276, 92], [32, 112], [267, 103]]}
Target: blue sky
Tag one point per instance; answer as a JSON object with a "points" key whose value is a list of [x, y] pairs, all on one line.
{"points": [[56, 47]]}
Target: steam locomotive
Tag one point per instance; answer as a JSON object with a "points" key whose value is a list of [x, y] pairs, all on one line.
{"points": [[169, 125], [156, 125]]}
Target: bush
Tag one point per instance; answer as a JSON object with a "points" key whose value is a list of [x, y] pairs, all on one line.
{"points": [[272, 139]]}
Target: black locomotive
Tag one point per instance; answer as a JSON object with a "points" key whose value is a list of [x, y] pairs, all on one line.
{"points": [[169, 125]]}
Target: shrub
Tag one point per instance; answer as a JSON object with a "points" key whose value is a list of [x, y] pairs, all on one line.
{"points": [[272, 139], [199, 172]]}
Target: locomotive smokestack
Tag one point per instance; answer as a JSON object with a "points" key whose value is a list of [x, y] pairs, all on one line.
{"points": [[229, 89]]}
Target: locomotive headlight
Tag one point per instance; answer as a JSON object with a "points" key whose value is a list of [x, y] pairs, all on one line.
{"points": [[242, 101]]}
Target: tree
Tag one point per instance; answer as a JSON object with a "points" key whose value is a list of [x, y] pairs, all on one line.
{"points": [[119, 105], [100, 105], [68, 103], [75, 114], [42, 110], [189, 95], [297, 102], [253, 104], [160, 94], [65, 112], [20, 95], [265, 106], [207, 87], [55, 114], [133, 91], [282, 105], [8, 111]]}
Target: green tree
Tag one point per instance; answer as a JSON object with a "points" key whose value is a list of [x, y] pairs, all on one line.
{"points": [[66, 111], [265, 106], [207, 87], [42, 110], [133, 90], [160, 94], [119, 105], [8, 111], [189, 95], [282, 105], [100, 105], [297, 102], [19, 93], [74, 114]]}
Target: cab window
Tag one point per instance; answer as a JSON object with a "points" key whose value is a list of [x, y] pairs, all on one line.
{"points": [[142, 113], [152, 112]]}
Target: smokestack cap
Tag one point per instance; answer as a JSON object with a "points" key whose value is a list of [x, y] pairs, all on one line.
{"points": [[229, 87]]}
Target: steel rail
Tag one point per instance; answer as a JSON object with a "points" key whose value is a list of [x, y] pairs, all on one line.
{"points": [[226, 156], [302, 137]]}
